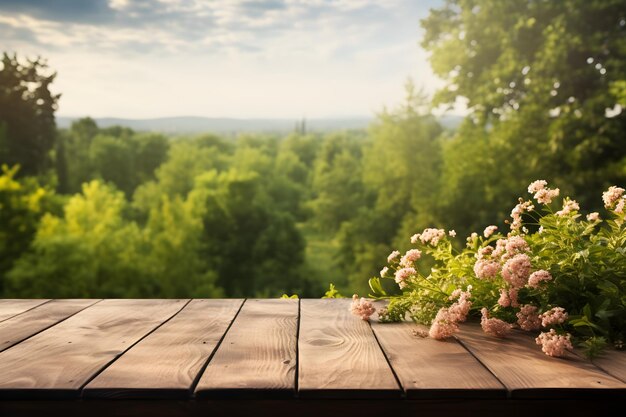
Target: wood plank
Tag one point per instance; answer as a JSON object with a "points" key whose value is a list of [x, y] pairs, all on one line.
{"points": [[166, 363], [57, 362], [528, 373], [257, 357], [339, 356], [13, 307], [613, 362], [23, 326], [428, 368]]}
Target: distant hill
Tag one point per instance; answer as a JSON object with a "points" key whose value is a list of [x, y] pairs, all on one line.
{"points": [[189, 124], [179, 125]]}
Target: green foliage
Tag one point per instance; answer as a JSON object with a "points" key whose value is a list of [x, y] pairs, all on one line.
{"points": [[332, 292], [93, 251], [27, 127], [538, 78], [287, 297], [22, 203], [116, 155], [583, 263], [400, 175]]}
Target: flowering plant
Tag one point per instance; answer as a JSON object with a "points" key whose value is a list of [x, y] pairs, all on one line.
{"points": [[554, 271]]}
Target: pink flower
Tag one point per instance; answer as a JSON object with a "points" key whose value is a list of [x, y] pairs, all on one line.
{"points": [[489, 230], [518, 210], [485, 269], [537, 277], [383, 272], [493, 326], [444, 325], [402, 275], [415, 238], [482, 252], [393, 255], [556, 315], [460, 309], [517, 270], [515, 245], [500, 249], [527, 318], [452, 233], [508, 298], [619, 208], [432, 236], [611, 196], [553, 344], [546, 195], [362, 307], [543, 195], [537, 186], [410, 257], [568, 207], [593, 217]]}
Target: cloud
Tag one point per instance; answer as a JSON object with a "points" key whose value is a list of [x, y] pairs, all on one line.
{"points": [[93, 11], [221, 51]]}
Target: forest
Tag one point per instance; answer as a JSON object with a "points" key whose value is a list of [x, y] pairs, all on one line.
{"points": [[111, 212]]}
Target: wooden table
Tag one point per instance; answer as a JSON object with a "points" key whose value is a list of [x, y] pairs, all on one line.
{"points": [[277, 357]]}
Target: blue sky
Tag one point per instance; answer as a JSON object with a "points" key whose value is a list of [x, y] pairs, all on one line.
{"points": [[223, 58]]}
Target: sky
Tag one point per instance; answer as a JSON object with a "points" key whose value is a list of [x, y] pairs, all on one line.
{"points": [[223, 58]]}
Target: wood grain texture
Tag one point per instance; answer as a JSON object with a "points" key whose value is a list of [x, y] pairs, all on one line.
{"points": [[12, 307], [166, 363], [339, 356], [258, 354], [57, 362], [428, 368], [612, 362], [22, 326], [528, 373]]}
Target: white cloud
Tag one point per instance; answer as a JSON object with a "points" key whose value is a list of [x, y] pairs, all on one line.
{"points": [[230, 58]]}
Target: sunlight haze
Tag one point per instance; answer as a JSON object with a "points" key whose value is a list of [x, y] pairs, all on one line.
{"points": [[257, 59]]}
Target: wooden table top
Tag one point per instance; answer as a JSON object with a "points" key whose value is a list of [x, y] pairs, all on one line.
{"points": [[284, 351]]}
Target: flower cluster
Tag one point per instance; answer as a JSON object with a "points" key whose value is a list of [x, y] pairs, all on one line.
{"points": [[537, 277], [447, 320], [554, 344], [432, 236], [528, 318], [556, 315], [543, 195], [494, 326], [566, 278], [362, 307]]}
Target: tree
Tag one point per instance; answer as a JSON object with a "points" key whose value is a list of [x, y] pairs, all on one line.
{"points": [[22, 203], [93, 250], [26, 114], [541, 79], [338, 181], [401, 169], [255, 250]]}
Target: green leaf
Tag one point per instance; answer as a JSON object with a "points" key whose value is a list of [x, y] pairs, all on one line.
{"points": [[376, 287]]}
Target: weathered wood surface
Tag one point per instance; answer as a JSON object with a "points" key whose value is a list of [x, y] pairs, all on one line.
{"points": [[23, 326], [257, 358], [428, 368], [200, 357], [166, 363], [60, 360], [10, 308], [612, 362], [339, 355], [528, 373]]}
